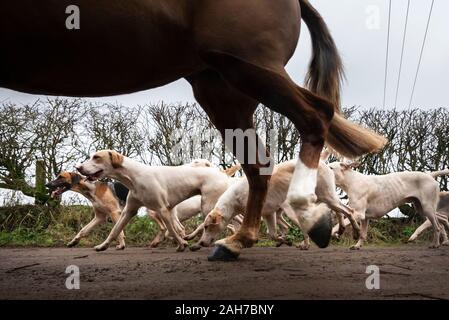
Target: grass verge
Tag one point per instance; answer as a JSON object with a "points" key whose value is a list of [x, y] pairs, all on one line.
{"points": [[42, 226]]}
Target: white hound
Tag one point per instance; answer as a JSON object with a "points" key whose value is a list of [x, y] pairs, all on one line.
{"points": [[233, 201], [442, 213], [189, 208], [158, 188], [184, 211], [373, 196]]}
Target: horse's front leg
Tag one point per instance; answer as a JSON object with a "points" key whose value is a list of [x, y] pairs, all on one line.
{"points": [[247, 235]]}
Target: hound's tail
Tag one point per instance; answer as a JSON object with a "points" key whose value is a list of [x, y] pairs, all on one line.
{"points": [[437, 174], [233, 170], [324, 79]]}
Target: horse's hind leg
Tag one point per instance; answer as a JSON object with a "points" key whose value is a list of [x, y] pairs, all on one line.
{"points": [[310, 114], [230, 109]]}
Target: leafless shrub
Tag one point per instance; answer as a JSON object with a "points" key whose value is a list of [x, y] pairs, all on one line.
{"points": [[62, 132]]}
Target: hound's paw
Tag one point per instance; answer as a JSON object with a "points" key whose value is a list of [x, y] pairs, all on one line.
{"points": [[154, 244], [195, 247], [445, 243], [120, 247], [73, 243], [336, 236], [101, 247], [355, 247], [182, 247], [283, 240], [434, 246], [188, 237], [303, 247]]}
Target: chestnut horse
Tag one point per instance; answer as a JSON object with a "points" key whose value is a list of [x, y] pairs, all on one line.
{"points": [[232, 52]]}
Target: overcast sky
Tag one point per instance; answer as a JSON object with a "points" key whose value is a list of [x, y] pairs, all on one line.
{"points": [[363, 51]]}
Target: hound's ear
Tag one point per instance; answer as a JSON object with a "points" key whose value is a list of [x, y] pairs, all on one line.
{"points": [[345, 166], [232, 170], [325, 155], [354, 164], [116, 159], [350, 165], [216, 218], [76, 178]]}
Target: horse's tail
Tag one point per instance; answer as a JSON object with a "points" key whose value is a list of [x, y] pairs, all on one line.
{"points": [[324, 79], [326, 68]]}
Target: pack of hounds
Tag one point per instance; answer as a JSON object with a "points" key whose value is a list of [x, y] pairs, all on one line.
{"points": [[174, 194]]}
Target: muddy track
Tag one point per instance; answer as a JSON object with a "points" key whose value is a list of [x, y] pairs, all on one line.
{"points": [[407, 272]]}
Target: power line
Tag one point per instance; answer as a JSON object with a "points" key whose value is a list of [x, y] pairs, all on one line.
{"points": [[402, 53], [421, 54], [387, 54]]}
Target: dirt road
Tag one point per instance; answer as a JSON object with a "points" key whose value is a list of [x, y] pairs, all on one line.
{"points": [[406, 272]]}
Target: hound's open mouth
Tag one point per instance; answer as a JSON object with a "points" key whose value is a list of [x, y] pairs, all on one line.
{"points": [[58, 191], [95, 176]]}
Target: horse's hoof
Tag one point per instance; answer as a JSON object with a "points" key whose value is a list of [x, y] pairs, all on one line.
{"points": [[279, 244], [195, 247], [221, 253], [321, 232]]}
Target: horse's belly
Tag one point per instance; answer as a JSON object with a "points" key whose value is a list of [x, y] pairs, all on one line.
{"points": [[85, 82], [117, 49]]}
